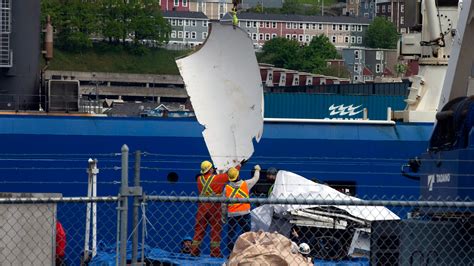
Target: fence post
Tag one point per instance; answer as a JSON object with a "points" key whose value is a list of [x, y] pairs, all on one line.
{"points": [[124, 207], [136, 206]]}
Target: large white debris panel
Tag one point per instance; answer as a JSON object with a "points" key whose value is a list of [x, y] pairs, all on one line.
{"points": [[223, 81]]}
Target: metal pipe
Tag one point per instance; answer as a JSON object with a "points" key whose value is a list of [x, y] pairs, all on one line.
{"points": [[302, 201], [95, 171], [433, 19], [136, 206], [124, 207]]}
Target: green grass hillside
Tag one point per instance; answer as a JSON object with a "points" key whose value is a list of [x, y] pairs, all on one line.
{"points": [[156, 61]]}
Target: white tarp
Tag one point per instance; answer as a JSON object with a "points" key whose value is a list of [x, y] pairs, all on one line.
{"points": [[291, 185], [223, 81]]}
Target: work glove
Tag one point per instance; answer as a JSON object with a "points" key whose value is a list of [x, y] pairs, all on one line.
{"points": [[257, 167]]}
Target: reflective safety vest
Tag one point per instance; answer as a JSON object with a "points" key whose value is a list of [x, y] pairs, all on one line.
{"points": [[206, 186], [240, 192]]}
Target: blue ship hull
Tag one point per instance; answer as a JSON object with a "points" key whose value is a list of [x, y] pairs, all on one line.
{"points": [[49, 153]]}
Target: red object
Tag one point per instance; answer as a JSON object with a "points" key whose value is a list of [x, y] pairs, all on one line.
{"points": [[60, 240], [210, 214]]}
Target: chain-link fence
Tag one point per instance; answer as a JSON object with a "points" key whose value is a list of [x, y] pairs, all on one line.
{"points": [[298, 222], [296, 230], [46, 229]]}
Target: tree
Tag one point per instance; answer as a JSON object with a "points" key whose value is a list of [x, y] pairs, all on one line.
{"points": [[401, 69], [291, 7], [281, 52], [289, 54], [382, 34]]}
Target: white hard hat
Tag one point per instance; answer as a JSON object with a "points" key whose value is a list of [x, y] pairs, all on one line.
{"points": [[304, 249]]}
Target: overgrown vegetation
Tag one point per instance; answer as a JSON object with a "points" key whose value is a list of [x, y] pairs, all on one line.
{"points": [[285, 53], [106, 58], [127, 23], [382, 34]]}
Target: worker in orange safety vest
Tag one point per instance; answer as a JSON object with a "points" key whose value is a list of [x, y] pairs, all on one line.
{"points": [[209, 185], [239, 213]]}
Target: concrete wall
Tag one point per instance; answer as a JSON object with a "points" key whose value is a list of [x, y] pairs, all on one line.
{"points": [[27, 231]]}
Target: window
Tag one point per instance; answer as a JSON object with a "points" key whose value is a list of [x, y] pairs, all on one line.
{"points": [[193, 23], [351, 11], [255, 24], [274, 35], [359, 39], [356, 78], [180, 34], [173, 22], [359, 27], [176, 2], [180, 22], [334, 26], [267, 36], [248, 24], [301, 26], [307, 38], [267, 24], [402, 20], [186, 22], [379, 55], [288, 25], [297, 81], [288, 36], [294, 37], [261, 24], [402, 8], [314, 26], [185, 2], [204, 35], [320, 26], [389, 8], [356, 68], [204, 23], [260, 36], [186, 34], [341, 27], [294, 25], [346, 39], [254, 36], [347, 27], [333, 39], [274, 25], [353, 39], [378, 68], [308, 26], [356, 54], [301, 38], [383, 8], [309, 81], [366, 15], [173, 34], [193, 35], [353, 27]]}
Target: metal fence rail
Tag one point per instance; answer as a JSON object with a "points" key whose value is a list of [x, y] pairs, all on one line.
{"points": [[173, 227]]}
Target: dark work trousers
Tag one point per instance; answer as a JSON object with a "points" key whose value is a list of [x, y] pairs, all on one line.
{"points": [[234, 223]]}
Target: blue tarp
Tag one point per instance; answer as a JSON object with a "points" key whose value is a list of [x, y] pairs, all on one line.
{"points": [[163, 256], [106, 257], [353, 262]]}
